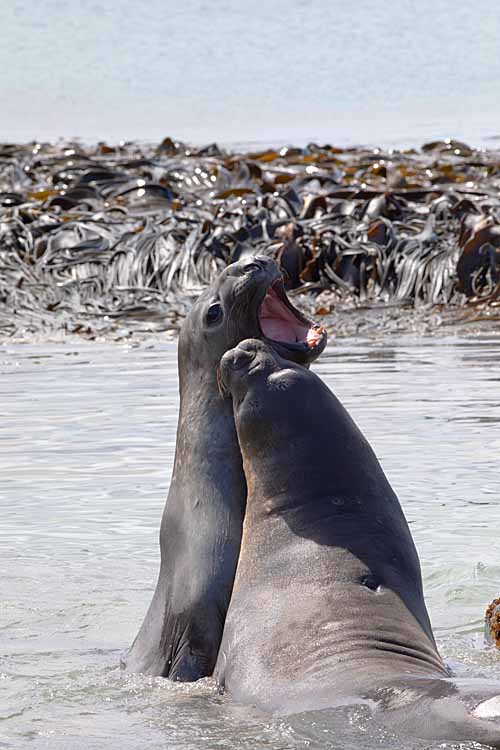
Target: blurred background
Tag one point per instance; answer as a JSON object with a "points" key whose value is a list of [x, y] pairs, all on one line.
{"points": [[238, 72]]}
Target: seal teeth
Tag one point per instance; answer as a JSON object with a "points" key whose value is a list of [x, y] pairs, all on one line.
{"points": [[314, 335]]}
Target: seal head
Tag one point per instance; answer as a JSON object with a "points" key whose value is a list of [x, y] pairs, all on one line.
{"points": [[248, 300]]}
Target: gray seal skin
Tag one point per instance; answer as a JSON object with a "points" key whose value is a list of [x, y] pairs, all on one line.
{"points": [[327, 606], [200, 532]]}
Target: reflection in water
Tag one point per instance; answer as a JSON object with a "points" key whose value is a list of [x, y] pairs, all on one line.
{"points": [[88, 436]]}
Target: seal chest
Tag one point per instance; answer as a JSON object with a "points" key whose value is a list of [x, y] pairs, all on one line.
{"points": [[327, 607]]}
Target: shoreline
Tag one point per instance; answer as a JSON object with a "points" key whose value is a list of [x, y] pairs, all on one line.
{"points": [[385, 325], [352, 126], [115, 240], [487, 140]]}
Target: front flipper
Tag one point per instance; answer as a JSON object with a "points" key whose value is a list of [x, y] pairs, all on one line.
{"points": [[180, 646], [441, 710]]}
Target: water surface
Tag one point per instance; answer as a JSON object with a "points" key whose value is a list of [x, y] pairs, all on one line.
{"points": [[231, 71], [87, 442]]}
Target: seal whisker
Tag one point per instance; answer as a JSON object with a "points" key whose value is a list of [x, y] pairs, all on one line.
{"points": [[223, 390]]}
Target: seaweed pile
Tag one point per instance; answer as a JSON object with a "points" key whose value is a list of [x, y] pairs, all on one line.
{"points": [[120, 238]]}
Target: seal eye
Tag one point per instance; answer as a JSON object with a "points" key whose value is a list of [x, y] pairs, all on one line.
{"points": [[214, 314]]}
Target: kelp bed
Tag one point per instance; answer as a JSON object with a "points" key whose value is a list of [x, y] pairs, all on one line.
{"points": [[113, 240]]}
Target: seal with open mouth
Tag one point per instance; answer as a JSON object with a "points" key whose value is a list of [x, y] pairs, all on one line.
{"points": [[201, 527]]}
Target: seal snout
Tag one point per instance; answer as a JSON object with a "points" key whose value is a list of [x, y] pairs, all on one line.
{"points": [[240, 361], [263, 270], [241, 356], [260, 263]]}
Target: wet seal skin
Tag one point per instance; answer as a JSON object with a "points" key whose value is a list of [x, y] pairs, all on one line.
{"points": [[327, 607], [201, 526]]}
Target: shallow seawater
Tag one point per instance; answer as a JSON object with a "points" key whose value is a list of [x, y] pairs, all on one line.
{"points": [[87, 442], [328, 70]]}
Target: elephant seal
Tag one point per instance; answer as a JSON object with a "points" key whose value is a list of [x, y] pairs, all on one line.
{"points": [[201, 526], [327, 606]]}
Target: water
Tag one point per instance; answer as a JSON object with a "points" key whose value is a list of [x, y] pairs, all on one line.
{"points": [[87, 437], [250, 71]]}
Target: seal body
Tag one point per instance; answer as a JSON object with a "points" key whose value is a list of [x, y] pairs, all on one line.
{"points": [[327, 606], [200, 532]]}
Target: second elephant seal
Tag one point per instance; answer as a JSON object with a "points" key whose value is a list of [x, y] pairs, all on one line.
{"points": [[327, 606]]}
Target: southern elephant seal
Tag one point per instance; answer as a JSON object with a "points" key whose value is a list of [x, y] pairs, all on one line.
{"points": [[327, 607], [201, 526]]}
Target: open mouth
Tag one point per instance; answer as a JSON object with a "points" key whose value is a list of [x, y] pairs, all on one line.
{"points": [[283, 324]]}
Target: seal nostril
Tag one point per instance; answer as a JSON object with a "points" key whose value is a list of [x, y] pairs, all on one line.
{"points": [[253, 266], [371, 582], [249, 346], [240, 359]]}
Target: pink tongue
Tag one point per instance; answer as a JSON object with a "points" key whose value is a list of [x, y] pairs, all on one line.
{"points": [[277, 330], [278, 322]]}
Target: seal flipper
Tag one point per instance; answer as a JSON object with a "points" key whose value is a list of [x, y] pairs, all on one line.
{"points": [[184, 658], [194, 653], [437, 711], [189, 664], [181, 646], [146, 654]]}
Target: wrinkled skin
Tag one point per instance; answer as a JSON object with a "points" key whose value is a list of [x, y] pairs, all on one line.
{"points": [[201, 526], [327, 607]]}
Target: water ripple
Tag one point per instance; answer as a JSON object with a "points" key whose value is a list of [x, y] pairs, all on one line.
{"points": [[88, 438]]}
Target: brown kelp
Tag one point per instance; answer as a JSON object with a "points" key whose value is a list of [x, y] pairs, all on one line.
{"points": [[92, 238], [492, 623]]}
